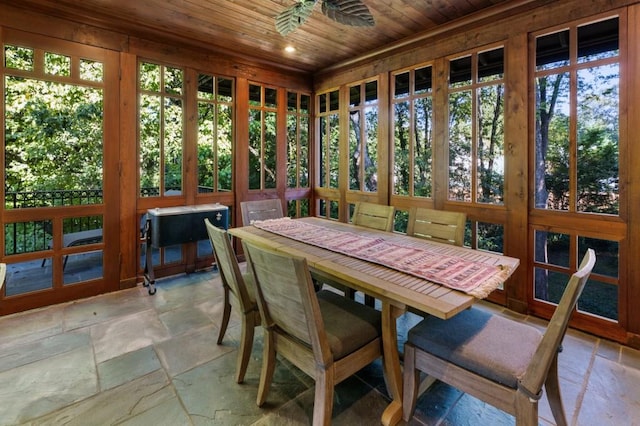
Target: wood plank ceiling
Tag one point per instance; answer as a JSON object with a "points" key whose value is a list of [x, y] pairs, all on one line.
{"points": [[246, 28]]}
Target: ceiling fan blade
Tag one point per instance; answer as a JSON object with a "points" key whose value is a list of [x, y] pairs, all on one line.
{"points": [[348, 12], [293, 17]]}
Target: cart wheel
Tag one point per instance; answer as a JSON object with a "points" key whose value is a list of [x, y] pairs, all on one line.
{"points": [[152, 290]]}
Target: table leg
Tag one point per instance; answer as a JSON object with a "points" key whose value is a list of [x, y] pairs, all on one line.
{"points": [[393, 413]]}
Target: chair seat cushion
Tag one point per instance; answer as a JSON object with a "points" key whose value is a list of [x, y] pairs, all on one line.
{"points": [[349, 325], [491, 346]]}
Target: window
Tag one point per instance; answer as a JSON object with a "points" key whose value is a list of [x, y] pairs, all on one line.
{"points": [[328, 107], [363, 137], [577, 110], [476, 127], [298, 123], [215, 133], [160, 138], [263, 115], [413, 132]]}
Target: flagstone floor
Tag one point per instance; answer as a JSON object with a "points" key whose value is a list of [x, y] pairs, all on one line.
{"points": [[128, 358]]}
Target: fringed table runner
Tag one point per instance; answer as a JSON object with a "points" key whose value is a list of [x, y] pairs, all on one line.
{"points": [[427, 261]]}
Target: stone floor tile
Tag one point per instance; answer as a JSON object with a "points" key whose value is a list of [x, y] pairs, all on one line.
{"points": [[189, 350], [212, 397], [116, 405], [127, 334], [27, 353], [31, 325], [168, 413], [103, 308], [38, 388], [184, 319], [612, 395], [630, 357], [127, 367]]}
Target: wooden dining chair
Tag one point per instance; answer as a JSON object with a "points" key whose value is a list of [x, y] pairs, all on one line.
{"points": [[239, 292], [260, 210], [498, 360], [437, 225], [375, 216], [324, 334]]}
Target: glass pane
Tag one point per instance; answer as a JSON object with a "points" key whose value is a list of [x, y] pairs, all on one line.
{"points": [[423, 80], [598, 40], [271, 97], [53, 143], [334, 100], [205, 86], [334, 149], [460, 72], [225, 90], [599, 298], [255, 95], [491, 144], [607, 253], [491, 65], [322, 100], [355, 148], [55, 64], [549, 285], [401, 171], [82, 267], [322, 148], [552, 248], [27, 237], [292, 151], [460, 146], [423, 138], [303, 154], [371, 147], [31, 275], [149, 77], [552, 142], [206, 147], [401, 86], [292, 101], [491, 237], [333, 210], [149, 142], [91, 70], [173, 146], [371, 92], [305, 104], [224, 133], [173, 80], [354, 96], [255, 148], [552, 50], [400, 221], [598, 153], [270, 150], [20, 58]]}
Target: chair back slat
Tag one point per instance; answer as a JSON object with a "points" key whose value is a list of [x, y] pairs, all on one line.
{"points": [[261, 210], [228, 265], [375, 216], [437, 225], [538, 368]]}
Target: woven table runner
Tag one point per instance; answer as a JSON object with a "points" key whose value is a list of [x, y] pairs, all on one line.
{"points": [[427, 262]]}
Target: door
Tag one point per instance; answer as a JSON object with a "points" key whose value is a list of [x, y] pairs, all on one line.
{"points": [[60, 234]]}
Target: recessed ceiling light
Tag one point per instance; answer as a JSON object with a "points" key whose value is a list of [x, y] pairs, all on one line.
{"points": [[289, 49]]}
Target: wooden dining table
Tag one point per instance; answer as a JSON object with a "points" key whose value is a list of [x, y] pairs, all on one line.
{"points": [[396, 290]]}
